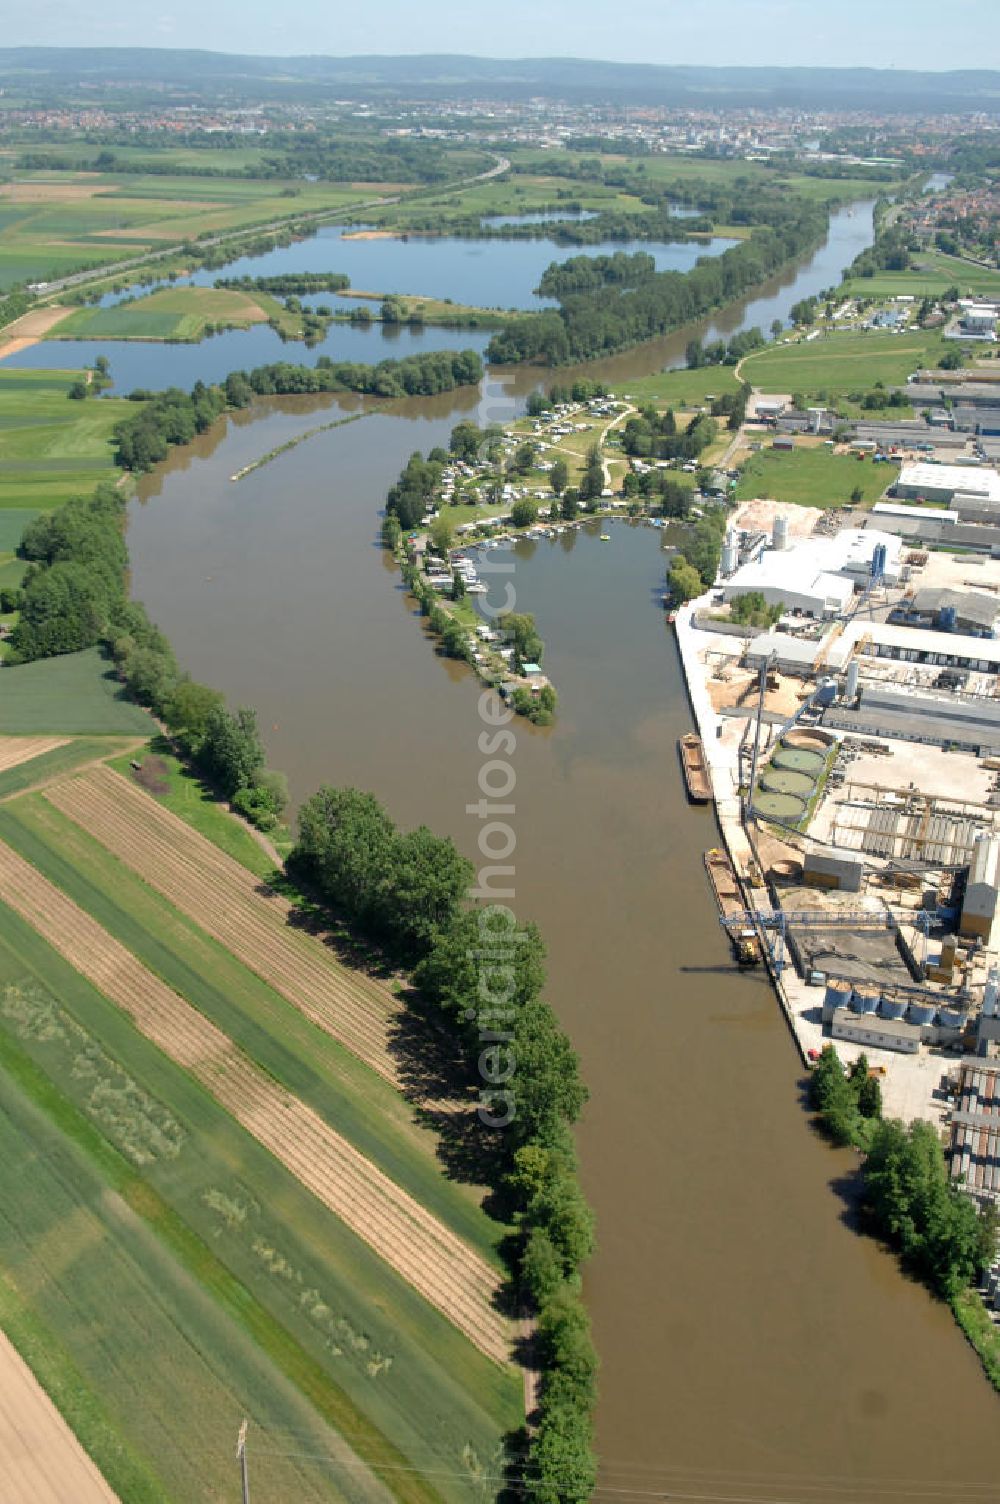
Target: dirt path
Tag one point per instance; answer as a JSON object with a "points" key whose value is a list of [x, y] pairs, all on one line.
{"points": [[41, 1461], [436, 1262]]}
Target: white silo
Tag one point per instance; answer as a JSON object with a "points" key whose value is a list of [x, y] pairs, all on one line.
{"points": [[779, 536], [730, 554], [991, 994], [853, 672]]}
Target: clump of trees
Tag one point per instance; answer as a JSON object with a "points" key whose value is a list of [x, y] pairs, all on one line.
{"points": [[752, 610], [654, 435], [912, 1199]]}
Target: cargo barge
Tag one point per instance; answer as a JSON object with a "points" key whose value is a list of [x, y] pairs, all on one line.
{"points": [[696, 774], [742, 937]]}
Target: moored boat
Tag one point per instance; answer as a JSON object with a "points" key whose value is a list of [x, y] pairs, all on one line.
{"points": [[696, 774], [729, 898]]}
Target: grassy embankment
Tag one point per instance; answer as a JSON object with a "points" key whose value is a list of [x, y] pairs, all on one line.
{"points": [[438, 310]]}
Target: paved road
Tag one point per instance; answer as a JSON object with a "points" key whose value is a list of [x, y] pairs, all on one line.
{"points": [[97, 273]]}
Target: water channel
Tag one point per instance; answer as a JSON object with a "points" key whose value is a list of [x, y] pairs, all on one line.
{"points": [[754, 1346]]}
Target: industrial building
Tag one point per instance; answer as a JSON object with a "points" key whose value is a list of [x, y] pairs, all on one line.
{"points": [[973, 613], [884, 639], [817, 577], [938, 720], [943, 483]]}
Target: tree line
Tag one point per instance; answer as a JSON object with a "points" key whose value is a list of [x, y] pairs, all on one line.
{"points": [[587, 325], [410, 892], [175, 417], [291, 284]]}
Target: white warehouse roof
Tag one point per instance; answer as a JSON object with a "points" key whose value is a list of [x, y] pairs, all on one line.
{"points": [[955, 478]]}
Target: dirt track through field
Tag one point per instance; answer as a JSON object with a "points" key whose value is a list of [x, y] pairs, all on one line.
{"points": [[17, 749], [445, 1270], [229, 902], [41, 1461]]}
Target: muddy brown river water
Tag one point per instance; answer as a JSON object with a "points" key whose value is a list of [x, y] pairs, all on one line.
{"points": [[754, 1347]]}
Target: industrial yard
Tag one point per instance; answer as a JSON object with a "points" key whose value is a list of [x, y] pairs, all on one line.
{"points": [[854, 749]]}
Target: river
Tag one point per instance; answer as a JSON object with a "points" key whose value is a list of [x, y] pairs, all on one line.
{"points": [[753, 1345]]}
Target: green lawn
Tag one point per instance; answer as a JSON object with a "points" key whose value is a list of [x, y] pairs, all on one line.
{"points": [[680, 389], [77, 694], [51, 446], [842, 363], [178, 313], [380, 1363], [812, 477]]}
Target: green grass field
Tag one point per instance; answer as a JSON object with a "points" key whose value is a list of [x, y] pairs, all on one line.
{"points": [[842, 363], [813, 477], [76, 695], [78, 1266], [381, 1365], [51, 447], [178, 313], [932, 275], [680, 389]]}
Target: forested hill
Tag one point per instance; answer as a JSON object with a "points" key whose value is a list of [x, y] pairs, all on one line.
{"points": [[434, 76]]}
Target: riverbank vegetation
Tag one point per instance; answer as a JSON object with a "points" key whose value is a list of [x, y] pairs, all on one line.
{"points": [[408, 891], [175, 417], [910, 1198], [594, 323]]}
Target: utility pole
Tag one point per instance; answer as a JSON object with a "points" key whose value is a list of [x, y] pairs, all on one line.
{"points": [[241, 1457]]}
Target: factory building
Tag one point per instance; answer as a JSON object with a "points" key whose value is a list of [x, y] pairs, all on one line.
{"points": [[942, 483], [973, 613], [979, 919], [816, 576], [970, 725]]}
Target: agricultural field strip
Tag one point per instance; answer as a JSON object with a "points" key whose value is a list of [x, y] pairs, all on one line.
{"points": [[41, 1461], [15, 750], [443, 1269], [224, 899]]}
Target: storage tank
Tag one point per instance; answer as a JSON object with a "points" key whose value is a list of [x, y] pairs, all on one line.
{"points": [[853, 674], [991, 994], [947, 617], [779, 535], [730, 554], [921, 1013], [892, 1007], [838, 995], [826, 693], [864, 998]]}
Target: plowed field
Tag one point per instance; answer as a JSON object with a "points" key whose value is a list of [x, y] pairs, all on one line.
{"points": [[228, 901], [445, 1271]]}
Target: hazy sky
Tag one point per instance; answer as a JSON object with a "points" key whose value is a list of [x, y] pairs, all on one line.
{"points": [[880, 33]]}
